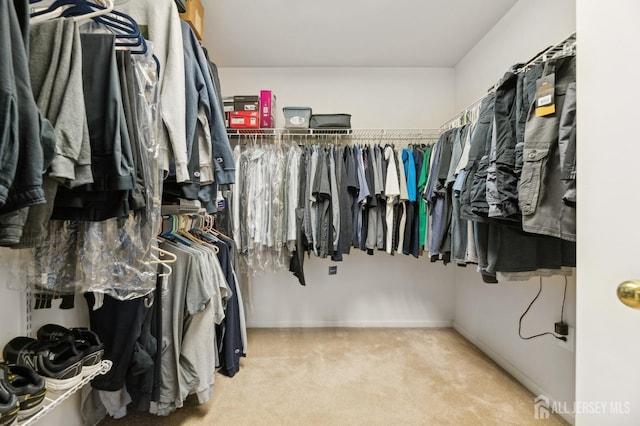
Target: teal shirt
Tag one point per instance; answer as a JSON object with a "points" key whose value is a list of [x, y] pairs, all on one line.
{"points": [[422, 204]]}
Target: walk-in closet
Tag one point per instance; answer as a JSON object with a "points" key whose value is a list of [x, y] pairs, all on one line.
{"points": [[218, 212]]}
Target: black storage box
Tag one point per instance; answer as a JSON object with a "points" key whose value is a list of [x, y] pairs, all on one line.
{"points": [[330, 121], [246, 103]]}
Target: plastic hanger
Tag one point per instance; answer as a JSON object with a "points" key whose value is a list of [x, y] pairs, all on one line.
{"points": [[172, 257], [123, 26], [172, 233], [183, 229], [54, 10], [59, 7]]}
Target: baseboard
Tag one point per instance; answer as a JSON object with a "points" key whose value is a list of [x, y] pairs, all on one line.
{"points": [[349, 324], [518, 374]]}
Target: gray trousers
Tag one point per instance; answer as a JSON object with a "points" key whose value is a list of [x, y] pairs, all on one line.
{"points": [[542, 188]]}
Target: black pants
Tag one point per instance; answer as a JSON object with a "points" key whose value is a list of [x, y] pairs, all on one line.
{"points": [[118, 323]]}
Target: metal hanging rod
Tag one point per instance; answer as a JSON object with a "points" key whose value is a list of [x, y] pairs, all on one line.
{"points": [[565, 47], [352, 134], [463, 117]]}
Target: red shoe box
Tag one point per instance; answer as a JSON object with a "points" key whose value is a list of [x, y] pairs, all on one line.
{"points": [[244, 119]]}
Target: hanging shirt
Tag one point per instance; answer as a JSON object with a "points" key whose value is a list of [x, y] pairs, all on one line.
{"points": [[382, 204], [404, 196], [292, 188], [161, 20], [322, 194], [350, 181], [335, 198], [410, 174], [392, 194], [422, 205], [436, 206], [363, 195]]}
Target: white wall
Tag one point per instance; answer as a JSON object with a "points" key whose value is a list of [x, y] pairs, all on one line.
{"points": [[13, 309], [607, 342], [525, 30], [378, 291], [375, 97], [488, 314], [367, 291]]}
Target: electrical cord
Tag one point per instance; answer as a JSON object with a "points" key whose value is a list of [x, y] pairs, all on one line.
{"points": [[564, 299], [563, 338]]}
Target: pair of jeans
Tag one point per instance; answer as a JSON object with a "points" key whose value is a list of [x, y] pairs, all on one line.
{"points": [[458, 225], [542, 188], [567, 145], [502, 181], [473, 195]]}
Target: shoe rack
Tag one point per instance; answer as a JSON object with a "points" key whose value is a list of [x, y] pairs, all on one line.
{"points": [[53, 399]]}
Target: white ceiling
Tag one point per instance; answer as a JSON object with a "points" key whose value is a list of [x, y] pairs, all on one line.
{"points": [[347, 33]]}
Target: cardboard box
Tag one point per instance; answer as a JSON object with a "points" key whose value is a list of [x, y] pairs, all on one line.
{"points": [[244, 119], [246, 103], [267, 108], [194, 16]]}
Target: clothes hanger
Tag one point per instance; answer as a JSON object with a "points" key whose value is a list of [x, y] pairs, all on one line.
{"points": [[172, 232], [123, 26], [168, 268], [57, 9], [165, 264], [200, 236], [54, 10], [183, 222], [172, 257]]}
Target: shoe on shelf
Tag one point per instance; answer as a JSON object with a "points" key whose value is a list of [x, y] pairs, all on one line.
{"points": [[86, 343], [25, 384], [56, 361], [9, 407]]}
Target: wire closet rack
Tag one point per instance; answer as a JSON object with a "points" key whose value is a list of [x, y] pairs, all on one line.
{"points": [[360, 135], [565, 47], [54, 399]]}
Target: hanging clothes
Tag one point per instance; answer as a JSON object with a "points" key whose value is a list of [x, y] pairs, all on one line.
{"points": [[111, 151], [509, 173], [162, 23], [28, 141], [324, 199]]}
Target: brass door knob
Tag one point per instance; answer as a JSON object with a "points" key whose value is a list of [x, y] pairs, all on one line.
{"points": [[629, 293]]}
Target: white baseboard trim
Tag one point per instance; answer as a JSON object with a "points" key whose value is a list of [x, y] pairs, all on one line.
{"points": [[349, 324], [518, 374]]}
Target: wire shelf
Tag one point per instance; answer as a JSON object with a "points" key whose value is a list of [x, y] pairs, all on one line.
{"points": [[565, 47], [53, 400], [352, 134]]}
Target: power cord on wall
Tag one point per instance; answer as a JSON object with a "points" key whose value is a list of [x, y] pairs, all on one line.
{"points": [[564, 299]]}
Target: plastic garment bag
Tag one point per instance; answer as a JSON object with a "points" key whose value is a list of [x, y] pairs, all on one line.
{"points": [[112, 256], [259, 215]]}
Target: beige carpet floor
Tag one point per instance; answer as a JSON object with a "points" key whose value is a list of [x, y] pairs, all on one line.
{"points": [[359, 377]]}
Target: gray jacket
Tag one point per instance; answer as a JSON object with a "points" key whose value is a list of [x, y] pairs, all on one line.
{"points": [[204, 93], [21, 144]]}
